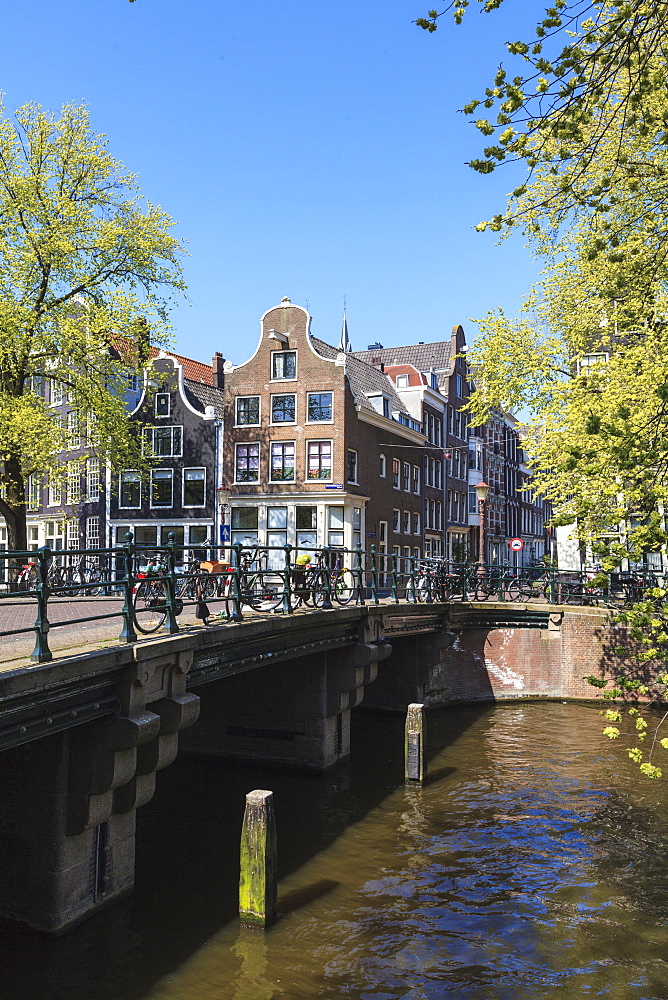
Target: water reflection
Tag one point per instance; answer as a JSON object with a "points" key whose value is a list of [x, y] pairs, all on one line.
{"points": [[532, 864]]}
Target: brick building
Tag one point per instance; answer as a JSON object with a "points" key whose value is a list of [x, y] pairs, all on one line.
{"points": [[319, 448]]}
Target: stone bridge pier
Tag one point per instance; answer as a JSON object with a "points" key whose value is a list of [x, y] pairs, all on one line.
{"points": [[295, 713], [67, 821]]}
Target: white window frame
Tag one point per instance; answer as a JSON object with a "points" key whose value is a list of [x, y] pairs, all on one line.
{"points": [[406, 477], [406, 522], [271, 461], [402, 381], [330, 442], [237, 400], [352, 451], [93, 537], [281, 423], [149, 432], [162, 416], [396, 482], [122, 473], [320, 393], [161, 506], [284, 378], [416, 480], [73, 483], [246, 444], [416, 523], [193, 506], [93, 478]]}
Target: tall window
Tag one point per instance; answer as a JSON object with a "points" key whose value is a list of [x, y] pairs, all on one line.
{"points": [[194, 487], [284, 364], [91, 430], [352, 465], [283, 409], [416, 524], [93, 478], [416, 479], [396, 472], [396, 515], [55, 490], [73, 534], [335, 524], [56, 392], [248, 410], [407, 522], [32, 489], [406, 477], [73, 482], [92, 532], [129, 492], [73, 436], [247, 463], [319, 406], [319, 460], [282, 461], [166, 442], [162, 488]]}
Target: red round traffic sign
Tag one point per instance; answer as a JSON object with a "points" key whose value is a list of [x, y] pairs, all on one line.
{"points": [[516, 544]]}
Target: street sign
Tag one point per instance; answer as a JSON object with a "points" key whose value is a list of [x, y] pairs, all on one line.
{"points": [[224, 534], [334, 486], [516, 544]]}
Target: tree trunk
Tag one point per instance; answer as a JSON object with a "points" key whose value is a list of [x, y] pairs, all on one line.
{"points": [[13, 509]]}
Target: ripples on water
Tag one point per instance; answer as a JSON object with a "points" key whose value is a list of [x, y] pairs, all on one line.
{"points": [[533, 864]]}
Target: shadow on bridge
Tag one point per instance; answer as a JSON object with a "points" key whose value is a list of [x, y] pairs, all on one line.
{"points": [[188, 860]]}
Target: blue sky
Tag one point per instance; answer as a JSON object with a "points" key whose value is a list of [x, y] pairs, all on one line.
{"points": [[306, 150]]}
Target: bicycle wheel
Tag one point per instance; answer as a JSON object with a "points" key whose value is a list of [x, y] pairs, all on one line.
{"points": [[150, 605], [265, 591], [94, 575], [515, 589], [343, 586]]}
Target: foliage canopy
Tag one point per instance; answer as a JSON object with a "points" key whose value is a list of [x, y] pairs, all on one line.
{"points": [[86, 267]]}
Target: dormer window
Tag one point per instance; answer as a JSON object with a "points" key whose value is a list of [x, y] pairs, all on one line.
{"points": [[284, 364], [162, 404], [402, 381]]}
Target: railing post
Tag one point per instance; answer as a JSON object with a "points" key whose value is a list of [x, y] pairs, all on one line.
{"points": [[327, 579], [501, 581], [359, 573], [41, 653], [552, 589], [395, 581], [128, 633], [235, 582], [428, 570], [464, 572], [374, 576], [287, 578], [410, 589], [171, 625]]}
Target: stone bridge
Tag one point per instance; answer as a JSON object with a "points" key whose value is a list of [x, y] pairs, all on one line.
{"points": [[81, 739]]}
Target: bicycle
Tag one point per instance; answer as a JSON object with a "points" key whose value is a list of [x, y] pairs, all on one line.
{"points": [[150, 596]]}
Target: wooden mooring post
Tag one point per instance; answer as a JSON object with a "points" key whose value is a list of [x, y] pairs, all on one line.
{"points": [[414, 745], [258, 875]]}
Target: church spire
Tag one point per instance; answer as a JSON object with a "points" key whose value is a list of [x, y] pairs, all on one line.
{"points": [[344, 344]]}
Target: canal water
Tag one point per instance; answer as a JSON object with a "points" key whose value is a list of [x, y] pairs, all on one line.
{"points": [[533, 864]]}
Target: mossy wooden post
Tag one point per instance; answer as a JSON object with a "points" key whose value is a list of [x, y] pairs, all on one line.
{"points": [[414, 745], [257, 879]]}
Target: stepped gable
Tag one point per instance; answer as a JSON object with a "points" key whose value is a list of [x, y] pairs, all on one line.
{"points": [[363, 377], [437, 355]]}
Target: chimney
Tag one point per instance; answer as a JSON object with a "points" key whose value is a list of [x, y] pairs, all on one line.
{"points": [[217, 363]]}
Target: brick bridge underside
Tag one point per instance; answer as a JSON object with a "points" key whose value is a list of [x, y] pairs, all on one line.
{"points": [[81, 739]]}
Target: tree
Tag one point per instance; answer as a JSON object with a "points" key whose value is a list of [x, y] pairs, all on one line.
{"points": [[572, 106], [85, 265]]}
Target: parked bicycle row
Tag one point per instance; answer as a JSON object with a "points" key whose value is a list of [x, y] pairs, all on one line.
{"points": [[216, 583]]}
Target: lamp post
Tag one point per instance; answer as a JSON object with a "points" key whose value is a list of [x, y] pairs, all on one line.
{"points": [[223, 492], [481, 491]]}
